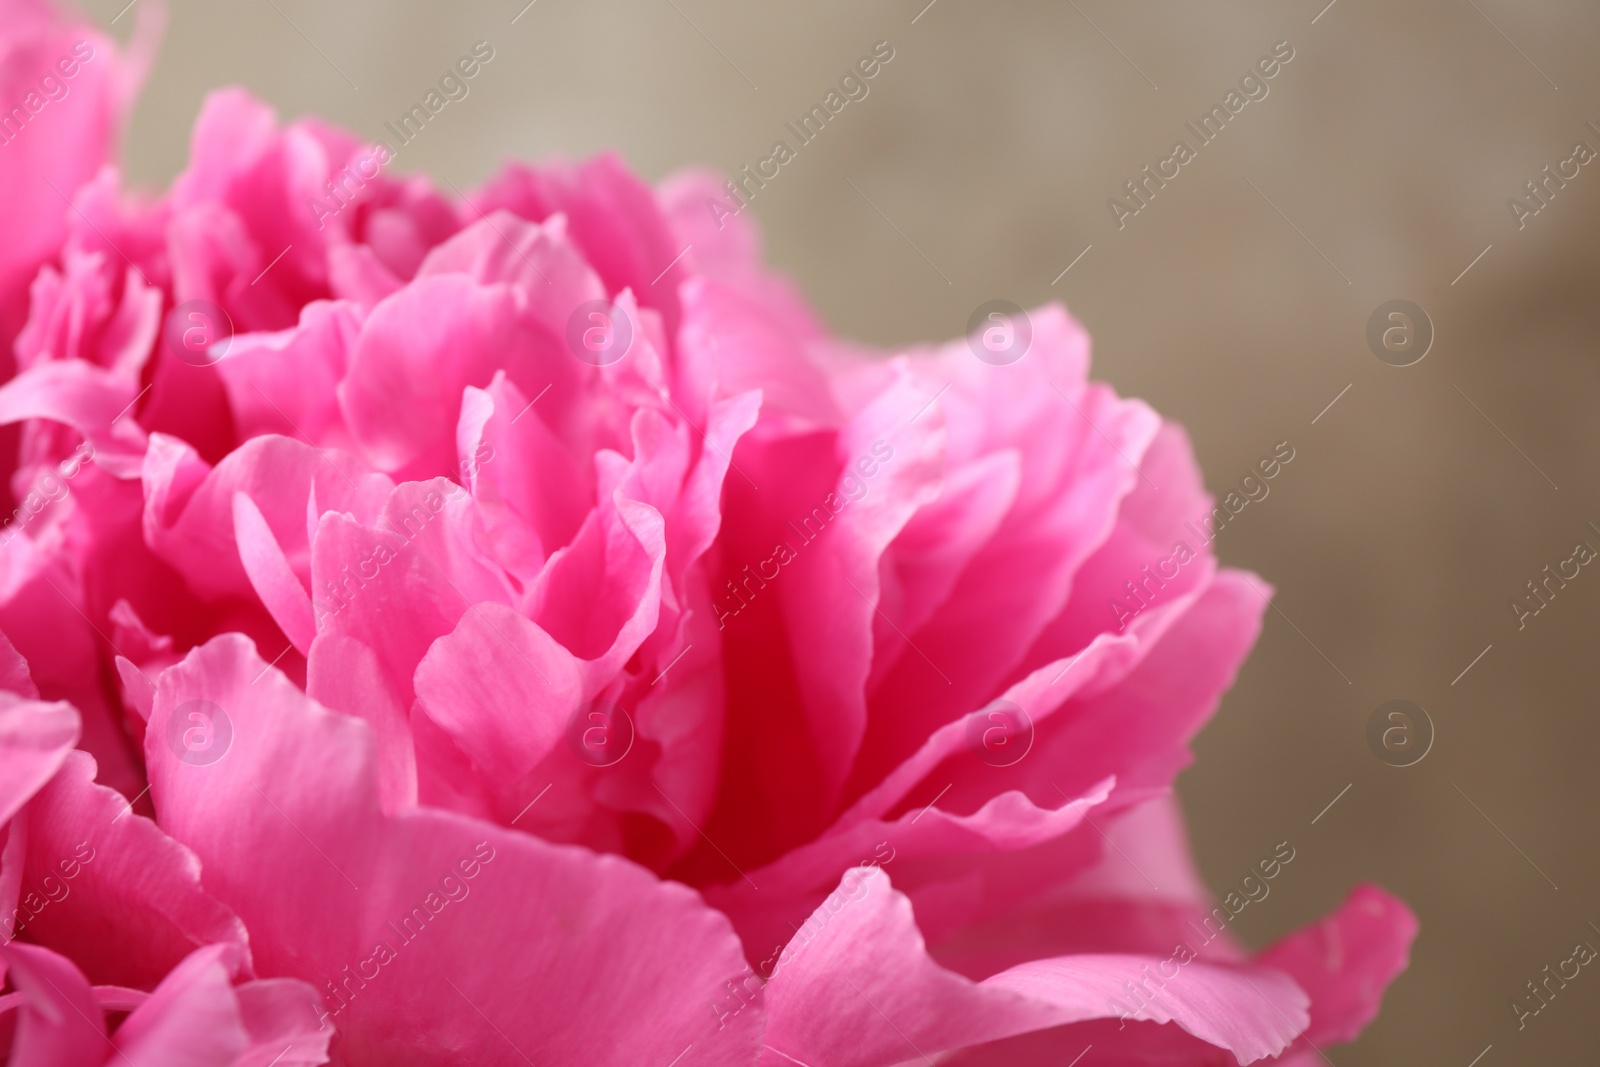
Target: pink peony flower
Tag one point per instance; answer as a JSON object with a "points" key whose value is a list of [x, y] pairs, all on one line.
{"points": [[524, 635]]}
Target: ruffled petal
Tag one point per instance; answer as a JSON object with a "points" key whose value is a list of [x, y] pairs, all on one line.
{"points": [[856, 989]]}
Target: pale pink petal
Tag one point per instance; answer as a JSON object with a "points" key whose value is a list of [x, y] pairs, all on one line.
{"points": [[271, 575], [190, 1020], [35, 739], [58, 1022], [282, 1015]]}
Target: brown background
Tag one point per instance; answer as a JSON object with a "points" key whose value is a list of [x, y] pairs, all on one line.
{"points": [[992, 141]]}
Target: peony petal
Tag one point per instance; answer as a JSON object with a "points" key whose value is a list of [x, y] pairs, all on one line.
{"points": [[533, 493], [271, 576], [1158, 552], [131, 905], [833, 1000], [59, 1024], [419, 349], [1346, 961], [496, 659], [48, 158], [601, 595], [816, 538], [728, 249], [189, 510], [85, 397], [731, 344], [284, 382], [565, 981], [35, 739], [344, 675], [536, 259], [939, 860], [14, 678], [612, 218], [1065, 509], [190, 1020], [281, 1016], [922, 566], [405, 580]]}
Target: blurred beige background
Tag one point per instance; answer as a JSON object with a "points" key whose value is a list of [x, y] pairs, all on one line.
{"points": [[1381, 163]]}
